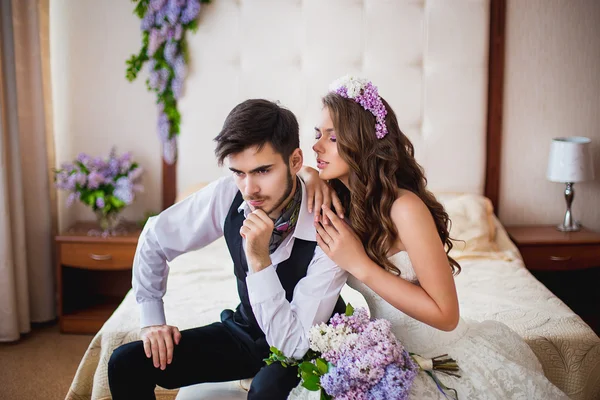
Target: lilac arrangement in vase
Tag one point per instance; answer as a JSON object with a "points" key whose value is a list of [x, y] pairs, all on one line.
{"points": [[164, 25], [105, 185]]}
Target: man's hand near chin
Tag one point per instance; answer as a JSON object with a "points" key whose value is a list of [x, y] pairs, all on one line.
{"points": [[257, 231], [159, 341]]}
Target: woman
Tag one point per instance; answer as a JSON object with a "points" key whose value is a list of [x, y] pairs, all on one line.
{"points": [[396, 250]]}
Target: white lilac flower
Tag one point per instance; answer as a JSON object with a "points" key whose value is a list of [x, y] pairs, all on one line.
{"points": [[170, 150]]}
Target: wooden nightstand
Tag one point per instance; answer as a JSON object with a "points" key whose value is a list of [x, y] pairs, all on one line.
{"points": [[93, 275], [568, 263]]}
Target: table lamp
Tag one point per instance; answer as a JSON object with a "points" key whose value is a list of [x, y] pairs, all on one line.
{"points": [[570, 161]]}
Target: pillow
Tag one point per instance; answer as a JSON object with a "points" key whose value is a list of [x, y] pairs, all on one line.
{"points": [[473, 229]]}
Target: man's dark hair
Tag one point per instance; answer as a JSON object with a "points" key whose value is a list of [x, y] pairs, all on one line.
{"points": [[256, 122]]}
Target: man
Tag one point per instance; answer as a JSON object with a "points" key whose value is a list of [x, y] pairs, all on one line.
{"points": [[285, 282]]}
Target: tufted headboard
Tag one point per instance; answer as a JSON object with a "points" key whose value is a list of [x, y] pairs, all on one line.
{"points": [[437, 62]]}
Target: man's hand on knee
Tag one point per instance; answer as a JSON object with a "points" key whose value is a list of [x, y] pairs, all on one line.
{"points": [[158, 343]]}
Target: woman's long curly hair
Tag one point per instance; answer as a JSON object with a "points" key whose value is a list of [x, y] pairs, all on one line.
{"points": [[378, 167]]}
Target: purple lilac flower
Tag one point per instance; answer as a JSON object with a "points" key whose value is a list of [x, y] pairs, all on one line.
{"points": [[156, 5], [164, 30], [395, 384], [164, 127], [68, 167], [72, 198], [177, 88], [135, 174], [125, 162], [170, 52], [95, 179], [154, 79], [151, 64], [370, 364], [173, 11], [113, 167], [98, 163], [84, 159], [148, 20], [190, 12], [100, 202], [123, 190], [178, 32], [155, 40], [163, 79], [179, 67]]}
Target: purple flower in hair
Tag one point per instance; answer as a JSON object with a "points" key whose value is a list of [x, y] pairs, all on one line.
{"points": [[366, 94]]}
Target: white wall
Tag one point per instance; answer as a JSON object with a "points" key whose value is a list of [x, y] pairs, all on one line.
{"points": [[552, 88], [95, 107]]}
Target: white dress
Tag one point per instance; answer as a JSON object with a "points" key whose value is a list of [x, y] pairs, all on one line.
{"points": [[495, 362]]}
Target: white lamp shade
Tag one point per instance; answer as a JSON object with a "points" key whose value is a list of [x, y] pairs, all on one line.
{"points": [[570, 160]]}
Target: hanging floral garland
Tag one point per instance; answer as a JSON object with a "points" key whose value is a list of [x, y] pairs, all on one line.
{"points": [[164, 25]]}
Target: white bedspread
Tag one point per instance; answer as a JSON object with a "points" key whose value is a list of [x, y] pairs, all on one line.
{"points": [[496, 287]]}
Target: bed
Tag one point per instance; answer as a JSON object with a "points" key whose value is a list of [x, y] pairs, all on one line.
{"points": [[439, 64], [494, 284]]}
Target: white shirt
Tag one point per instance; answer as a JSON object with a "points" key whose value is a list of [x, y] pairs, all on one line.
{"points": [[198, 221]]}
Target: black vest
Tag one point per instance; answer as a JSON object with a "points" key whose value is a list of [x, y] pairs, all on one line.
{"points": [[289, 271]]}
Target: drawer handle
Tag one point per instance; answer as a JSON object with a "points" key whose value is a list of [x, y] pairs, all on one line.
{"points": [[100, 257], [557, 258]]}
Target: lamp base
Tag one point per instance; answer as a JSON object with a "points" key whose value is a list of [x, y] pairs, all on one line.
{"points": [[574, 227]]}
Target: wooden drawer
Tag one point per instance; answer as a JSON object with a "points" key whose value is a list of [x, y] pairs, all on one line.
{"points": [[561, 257], [97, 255]]}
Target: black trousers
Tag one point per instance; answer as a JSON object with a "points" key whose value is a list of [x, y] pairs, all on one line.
{"points": [[218, 352]]}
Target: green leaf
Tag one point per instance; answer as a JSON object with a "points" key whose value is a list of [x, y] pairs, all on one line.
{"points": [[116, 203], [311, 383], [308, 368], [322, 366], [325, 396], [349, 310]]}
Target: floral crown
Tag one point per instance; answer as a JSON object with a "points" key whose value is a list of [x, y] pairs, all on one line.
{"points": [[365, 94]]}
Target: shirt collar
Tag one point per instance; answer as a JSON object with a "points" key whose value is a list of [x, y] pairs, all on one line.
{"points": [[304, 230]]}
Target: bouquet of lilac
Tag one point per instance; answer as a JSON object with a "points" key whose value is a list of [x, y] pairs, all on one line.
{"points": [[355, 358], [105, 185]]}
